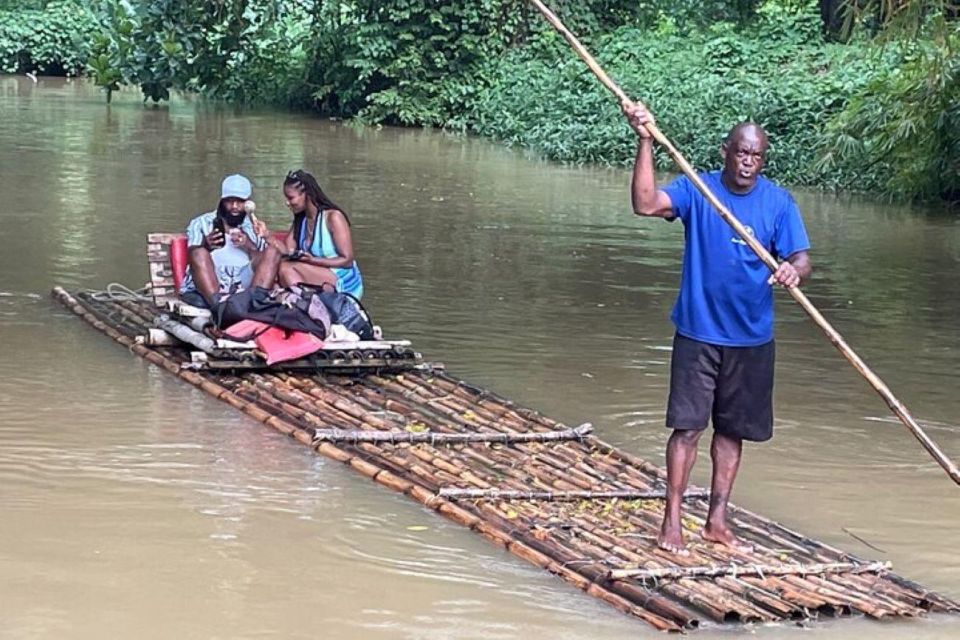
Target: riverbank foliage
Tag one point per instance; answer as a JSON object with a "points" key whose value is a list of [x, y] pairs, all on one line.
{"points": [[51, 38], [842, 111]]}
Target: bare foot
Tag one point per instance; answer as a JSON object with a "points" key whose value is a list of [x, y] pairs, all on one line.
{"points": [[723, 535], [671, 540]]}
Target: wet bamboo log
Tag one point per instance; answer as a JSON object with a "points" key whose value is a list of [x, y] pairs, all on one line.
{"points": [[452, 493], [186, 334], [430, 437], [484, 397]]}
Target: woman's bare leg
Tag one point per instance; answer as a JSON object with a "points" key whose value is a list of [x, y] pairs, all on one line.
{"points": [[294, 273]]}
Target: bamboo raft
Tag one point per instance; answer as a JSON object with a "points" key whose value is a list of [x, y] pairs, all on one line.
{"points": [[559, 498]]}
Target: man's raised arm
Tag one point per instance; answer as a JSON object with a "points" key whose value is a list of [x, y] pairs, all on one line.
{"points": [[647, 199]]}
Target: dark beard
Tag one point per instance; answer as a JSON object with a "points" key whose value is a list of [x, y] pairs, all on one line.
{"points": [[232, 221]]}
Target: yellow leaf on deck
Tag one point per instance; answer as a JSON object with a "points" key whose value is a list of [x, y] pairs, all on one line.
{"points": [[511, 514], [416, 427]]}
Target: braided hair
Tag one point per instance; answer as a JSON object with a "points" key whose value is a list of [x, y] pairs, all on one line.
{"points": [[308, 185]]}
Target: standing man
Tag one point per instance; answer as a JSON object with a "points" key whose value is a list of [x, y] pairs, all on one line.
{"points": [[723, 350]]}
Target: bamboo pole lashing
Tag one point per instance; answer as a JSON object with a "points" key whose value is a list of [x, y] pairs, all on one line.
{"points": [[699, 596], [432, 438], [455, 415], [448, 469], [733, 570]]}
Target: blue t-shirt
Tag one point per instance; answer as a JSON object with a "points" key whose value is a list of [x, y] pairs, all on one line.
{"points": [[724, 296]]}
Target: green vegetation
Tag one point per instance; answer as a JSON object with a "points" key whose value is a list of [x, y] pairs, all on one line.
{"points": [[236, 51], [900, 133], [873, 105], [45, 37], [697, 84]]}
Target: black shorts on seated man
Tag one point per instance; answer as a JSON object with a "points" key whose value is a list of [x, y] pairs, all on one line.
{"points": [[723, 351]]}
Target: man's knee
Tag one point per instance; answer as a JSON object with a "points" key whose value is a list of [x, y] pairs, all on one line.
{"points": [[270, 254], [268, 259], [200, 258], [727, 441], [686, 437]]}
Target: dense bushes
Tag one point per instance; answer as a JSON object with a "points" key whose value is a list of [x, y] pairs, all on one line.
{"points": [[54, 39], [778, 72], [845, 115], [900, 134]]}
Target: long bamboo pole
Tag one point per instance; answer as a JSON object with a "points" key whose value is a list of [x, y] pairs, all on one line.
{"points": [[898, 408]]}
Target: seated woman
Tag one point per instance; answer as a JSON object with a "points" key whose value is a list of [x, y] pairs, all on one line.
{"points": [[319, 245]]}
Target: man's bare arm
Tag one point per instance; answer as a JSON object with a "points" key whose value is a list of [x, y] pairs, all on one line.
{"points": [[647, 200]]}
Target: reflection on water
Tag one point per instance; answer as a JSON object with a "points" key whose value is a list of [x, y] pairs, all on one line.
{"points": [[128, 495]]}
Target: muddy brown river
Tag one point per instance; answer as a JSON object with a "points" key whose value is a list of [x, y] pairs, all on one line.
{"points": [[133, 505]]}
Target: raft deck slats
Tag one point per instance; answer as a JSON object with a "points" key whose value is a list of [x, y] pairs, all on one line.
{"points": [[581, 541]]}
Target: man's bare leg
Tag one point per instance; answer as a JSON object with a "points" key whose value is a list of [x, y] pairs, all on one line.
{"points": [[204, 274], [681, 455], [266, 265], [725, 452]]}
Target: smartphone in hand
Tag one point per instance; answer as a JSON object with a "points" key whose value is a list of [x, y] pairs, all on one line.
{"points": [[217, 236]]}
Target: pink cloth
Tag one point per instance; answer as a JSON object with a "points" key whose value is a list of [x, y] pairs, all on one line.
{"points": [[278, 344]]}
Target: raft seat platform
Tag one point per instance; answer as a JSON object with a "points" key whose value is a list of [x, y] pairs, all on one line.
{"points": [[557, 497], [167, 259]]}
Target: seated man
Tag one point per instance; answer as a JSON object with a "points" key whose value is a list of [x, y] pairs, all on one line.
{"points": [[224, 247], [227, 253]]}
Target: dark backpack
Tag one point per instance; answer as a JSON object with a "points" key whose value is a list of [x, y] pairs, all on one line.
{"points": [[293, 311], [347, 310]]}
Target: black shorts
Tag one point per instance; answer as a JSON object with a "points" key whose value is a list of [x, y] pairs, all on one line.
{"points": [[228, 309], [733, 386], [194, 299]]}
